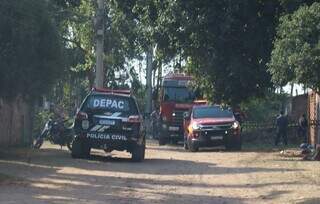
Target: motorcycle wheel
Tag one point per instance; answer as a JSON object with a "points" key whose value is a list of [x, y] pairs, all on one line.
{"points": [[38, 143], [69, 145]]}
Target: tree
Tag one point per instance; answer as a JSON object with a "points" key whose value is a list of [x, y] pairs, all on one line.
{"points": [[296, 53], [229, 42], [31, 60]]}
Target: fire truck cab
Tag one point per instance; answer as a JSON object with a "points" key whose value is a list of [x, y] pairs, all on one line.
{"points": [[176, 98]]}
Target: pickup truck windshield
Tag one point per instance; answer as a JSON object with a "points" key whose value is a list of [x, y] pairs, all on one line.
{"points": [[211, 112]]}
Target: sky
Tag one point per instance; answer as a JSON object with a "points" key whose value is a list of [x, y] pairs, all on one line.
{"points": [[297, 89]]}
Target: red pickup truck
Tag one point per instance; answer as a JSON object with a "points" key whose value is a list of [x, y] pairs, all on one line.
{"points": [[211, 125]]}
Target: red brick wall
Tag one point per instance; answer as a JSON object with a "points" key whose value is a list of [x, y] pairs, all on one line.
{"points": [[299, 106], [313, 115]]}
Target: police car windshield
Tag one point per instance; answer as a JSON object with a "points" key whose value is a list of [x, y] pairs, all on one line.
{"points": [[211, 112], [110, 103]]}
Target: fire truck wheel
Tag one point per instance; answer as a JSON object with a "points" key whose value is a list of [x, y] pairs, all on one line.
{"points": [[185, 144], [174, 141], [162, 141]]}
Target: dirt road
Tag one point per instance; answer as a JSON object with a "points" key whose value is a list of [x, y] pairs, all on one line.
{"points": [[168, 175]]}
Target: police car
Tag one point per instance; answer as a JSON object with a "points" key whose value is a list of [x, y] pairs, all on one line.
{"points": [[109, 120]]}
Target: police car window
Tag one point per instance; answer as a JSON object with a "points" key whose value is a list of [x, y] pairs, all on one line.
{"points": [[110, 103]]}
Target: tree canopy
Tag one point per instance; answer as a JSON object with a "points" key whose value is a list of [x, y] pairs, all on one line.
{"points": [[296, 53], [229, 42], [30, 50]]}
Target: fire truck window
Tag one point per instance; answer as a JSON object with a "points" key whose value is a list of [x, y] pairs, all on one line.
{"points": [[178, 94], [166, 97]]}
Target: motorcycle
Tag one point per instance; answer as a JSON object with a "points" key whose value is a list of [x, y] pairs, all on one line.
{"points": [[56, 133]]}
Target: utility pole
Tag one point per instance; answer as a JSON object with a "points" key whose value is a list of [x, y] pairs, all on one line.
{"points": [[149, 90], [149, 80], [99, 75]]}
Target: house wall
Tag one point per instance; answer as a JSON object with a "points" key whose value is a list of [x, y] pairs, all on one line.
{"points": [[299, 106], [15, 122]]}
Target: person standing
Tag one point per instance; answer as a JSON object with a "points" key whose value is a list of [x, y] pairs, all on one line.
{"points": [[281, 128], [155, 123], [302, 129]]}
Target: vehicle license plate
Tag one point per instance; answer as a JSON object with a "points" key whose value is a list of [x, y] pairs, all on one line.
{"points": [[216, 137], [107, 122], [174, 128]]}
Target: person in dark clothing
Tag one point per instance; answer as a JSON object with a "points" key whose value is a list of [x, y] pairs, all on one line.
{"points": [[239, 114], [302, 127], [155, 123], [281, 125]]}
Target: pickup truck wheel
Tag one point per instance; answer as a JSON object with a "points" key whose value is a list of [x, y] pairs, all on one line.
{"points": [[234, 145], [192, 147], [138, 153]]}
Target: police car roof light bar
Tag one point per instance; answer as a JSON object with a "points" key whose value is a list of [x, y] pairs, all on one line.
{"points": [[113, 91]]}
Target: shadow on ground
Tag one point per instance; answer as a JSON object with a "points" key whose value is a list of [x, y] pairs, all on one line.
{"points": [[54, 158], [54, 177]]}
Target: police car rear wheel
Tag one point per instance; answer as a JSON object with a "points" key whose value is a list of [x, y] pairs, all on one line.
{"points": [[138, 153], [76, 148], [80, 149]]}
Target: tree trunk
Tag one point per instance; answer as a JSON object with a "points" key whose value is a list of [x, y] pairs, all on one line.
{"points": [[15, 122]]}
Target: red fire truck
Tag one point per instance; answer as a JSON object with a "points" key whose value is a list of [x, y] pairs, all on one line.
{"points": [[176, 98]]}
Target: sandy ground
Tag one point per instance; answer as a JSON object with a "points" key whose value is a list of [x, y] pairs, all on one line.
{"points": [[168, 175]]}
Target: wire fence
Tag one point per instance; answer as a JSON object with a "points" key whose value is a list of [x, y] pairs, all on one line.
{"points": [[265, 132], [253, 125]]}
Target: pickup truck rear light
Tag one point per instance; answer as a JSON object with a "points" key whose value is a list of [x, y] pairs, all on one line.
{"points": [[134, 119], [82, 116]]}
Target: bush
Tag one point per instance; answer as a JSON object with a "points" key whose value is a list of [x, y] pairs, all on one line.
{"points": [[264, 109], [40, 119]]}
